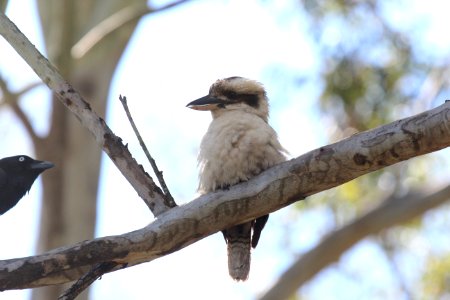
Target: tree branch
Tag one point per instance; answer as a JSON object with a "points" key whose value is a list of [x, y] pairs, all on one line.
{"points": [[113, 23], [391, 212], [12, 100], [273, 189], [106, 139]]}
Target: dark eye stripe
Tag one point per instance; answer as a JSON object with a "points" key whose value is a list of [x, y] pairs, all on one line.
{"points": [[250, 99]]}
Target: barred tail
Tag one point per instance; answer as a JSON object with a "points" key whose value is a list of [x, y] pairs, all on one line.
{"points": [[238, 245]]}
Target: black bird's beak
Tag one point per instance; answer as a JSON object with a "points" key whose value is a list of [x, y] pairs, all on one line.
{"points": [[41, 165], [206, 103]]}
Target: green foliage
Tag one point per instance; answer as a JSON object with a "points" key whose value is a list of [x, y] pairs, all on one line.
{"points": [[436, 279]]}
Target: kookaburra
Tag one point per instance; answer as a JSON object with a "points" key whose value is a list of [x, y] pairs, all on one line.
{"points": [[238, 145]]}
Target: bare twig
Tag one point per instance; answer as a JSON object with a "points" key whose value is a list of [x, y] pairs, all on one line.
{"points": [[99, 269], [10, 98], [86, 280], [113, 23], [159, 174]]}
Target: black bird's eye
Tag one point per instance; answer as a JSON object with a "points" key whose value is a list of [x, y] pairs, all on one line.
{"points": [[21, 159]]}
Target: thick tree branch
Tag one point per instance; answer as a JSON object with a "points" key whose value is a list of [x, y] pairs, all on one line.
{"points": [[273, 189], [392, 212], [105, 138]]}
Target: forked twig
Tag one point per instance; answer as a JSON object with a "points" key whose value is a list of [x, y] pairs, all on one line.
{"points": [[158, 173]]}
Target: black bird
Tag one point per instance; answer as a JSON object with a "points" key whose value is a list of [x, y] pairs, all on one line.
{"points": [[17, 174]]}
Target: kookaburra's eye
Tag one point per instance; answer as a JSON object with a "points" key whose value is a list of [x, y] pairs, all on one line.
{"points": [[233, 95], [21, 159]]}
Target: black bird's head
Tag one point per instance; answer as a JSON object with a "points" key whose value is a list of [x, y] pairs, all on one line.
{"points": [[234, 93], [17, 174]]}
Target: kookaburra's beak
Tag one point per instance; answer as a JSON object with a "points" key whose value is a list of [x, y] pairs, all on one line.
{"points": [[206, 103]]}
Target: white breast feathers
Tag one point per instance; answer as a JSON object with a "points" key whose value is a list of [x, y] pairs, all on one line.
{"points": [[237, 146]]}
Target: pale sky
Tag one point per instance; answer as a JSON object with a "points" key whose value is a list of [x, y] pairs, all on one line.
{"points": [[172, 59]]}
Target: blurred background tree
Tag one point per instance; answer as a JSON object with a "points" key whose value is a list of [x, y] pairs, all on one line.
{"points": [[375, 67], [332, 68]]}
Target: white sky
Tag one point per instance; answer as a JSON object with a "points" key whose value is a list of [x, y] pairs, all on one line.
{"points": [[172, 59]]}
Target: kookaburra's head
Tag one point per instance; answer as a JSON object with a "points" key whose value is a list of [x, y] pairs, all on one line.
{"points": [[234, 94]]}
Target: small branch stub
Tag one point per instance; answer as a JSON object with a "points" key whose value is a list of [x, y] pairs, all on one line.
{"points": [[86, 280]]}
